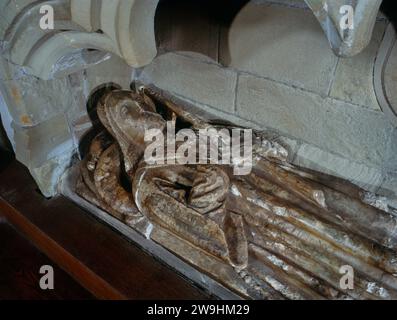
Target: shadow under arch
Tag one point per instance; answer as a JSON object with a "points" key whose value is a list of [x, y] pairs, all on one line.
{"points": [[92, 103], [388, 8], [194, 26]]}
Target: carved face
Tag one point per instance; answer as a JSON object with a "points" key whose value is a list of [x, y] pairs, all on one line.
{"points": [[128, 116]]}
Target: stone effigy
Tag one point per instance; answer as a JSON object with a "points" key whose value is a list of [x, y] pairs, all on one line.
{"points": [[279, 232]]}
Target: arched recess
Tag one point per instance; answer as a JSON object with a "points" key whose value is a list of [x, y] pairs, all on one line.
{"points": [[195, 27]]}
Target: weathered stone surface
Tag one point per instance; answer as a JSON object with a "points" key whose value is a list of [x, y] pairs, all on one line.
{"points": [[390, 78], [391, 155], [49, 118], [36, 115], [31, 100], [194, 79], [332, 125], [290, 3], [308, 156], [389, 185], [48, 174], [354, 77], [129, 25], [112, 71], [8, 11], [281, 43], [46, 149], [79, 121], [35, 145], [24, 32], [127, 30]]}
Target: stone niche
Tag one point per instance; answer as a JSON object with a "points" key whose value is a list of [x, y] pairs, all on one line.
{"points": [[275, 66]]}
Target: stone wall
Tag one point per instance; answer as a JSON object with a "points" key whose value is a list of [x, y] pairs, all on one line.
{"points": [[273, 70]]}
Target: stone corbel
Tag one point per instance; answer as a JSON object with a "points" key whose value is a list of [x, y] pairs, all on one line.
{"points": [[24, 34], [346, 42], [44, 61], [122, 27], [129, 24]]}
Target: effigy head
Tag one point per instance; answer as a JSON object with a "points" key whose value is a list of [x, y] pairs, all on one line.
{"points": [[126, 115]]}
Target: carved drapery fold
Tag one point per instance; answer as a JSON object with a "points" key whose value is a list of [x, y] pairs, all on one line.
{"points": [[279, 232]]}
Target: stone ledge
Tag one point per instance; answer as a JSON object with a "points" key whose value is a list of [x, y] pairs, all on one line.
{"points": [[368, 178], [389, 185], [334, 126]]}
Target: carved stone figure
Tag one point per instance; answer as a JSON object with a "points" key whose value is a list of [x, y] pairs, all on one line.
{"points": [[280, 232]]}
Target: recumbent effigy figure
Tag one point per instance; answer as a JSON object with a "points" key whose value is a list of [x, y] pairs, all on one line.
{"points": [[280, 232]]}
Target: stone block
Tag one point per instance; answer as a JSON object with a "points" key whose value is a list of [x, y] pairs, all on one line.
{"points": [[207, 83], [308, 156], [290, 3], [38, 144], [48, 174], [389, 185], [282, 43], [47, 150], [112, 71], [354, 77], [356, 133], [30, 100], [391, 154]]}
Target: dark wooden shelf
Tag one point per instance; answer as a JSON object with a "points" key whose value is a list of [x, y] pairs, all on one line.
{"points": [[20, 276], [96, 256]]}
